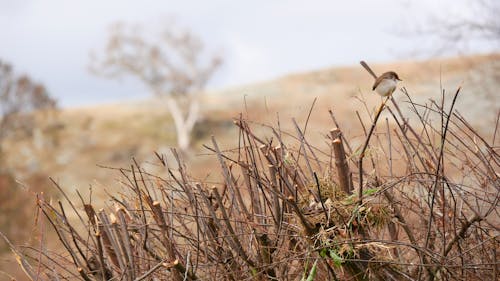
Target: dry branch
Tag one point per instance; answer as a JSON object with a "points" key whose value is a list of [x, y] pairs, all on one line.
{"points": [[281, 210]]}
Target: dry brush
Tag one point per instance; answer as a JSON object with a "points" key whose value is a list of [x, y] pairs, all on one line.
{"points": [[423, 206]]}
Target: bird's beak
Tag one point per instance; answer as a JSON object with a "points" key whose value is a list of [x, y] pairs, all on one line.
{"points": [[399, 79]]}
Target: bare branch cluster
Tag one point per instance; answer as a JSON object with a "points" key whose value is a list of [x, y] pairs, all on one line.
{"points": [[287, 209], [474, 26], [173, 66]]}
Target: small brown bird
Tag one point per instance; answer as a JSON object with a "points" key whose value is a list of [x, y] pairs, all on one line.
{"points": [[386, 83]]}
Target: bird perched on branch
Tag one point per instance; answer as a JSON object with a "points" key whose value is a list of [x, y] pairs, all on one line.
{"points": [[386, 83]]}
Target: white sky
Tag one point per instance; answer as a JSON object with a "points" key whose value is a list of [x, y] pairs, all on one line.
{"points": [[261, 39]]}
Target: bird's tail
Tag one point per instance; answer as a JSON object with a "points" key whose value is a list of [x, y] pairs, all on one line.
{"points": [[365, 65]]}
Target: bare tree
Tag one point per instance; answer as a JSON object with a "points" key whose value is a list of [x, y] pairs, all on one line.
{"points": [[482, 23], [471, 29], [19, 97], [478, 26], [173, 68]]}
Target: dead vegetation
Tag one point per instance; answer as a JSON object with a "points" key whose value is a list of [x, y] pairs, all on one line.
{"points": [[422, 206]]}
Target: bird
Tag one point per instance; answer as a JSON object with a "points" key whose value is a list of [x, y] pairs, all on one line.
{"points": [[386, 83]]}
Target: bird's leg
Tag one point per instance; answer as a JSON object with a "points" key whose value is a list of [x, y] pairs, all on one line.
{"points": [[382, 105]]}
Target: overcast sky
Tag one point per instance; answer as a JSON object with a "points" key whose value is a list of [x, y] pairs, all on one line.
{"points": [[261, 39]]}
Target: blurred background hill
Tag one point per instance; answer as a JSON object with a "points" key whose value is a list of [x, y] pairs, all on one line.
{"points": [[269, 69], [111, 134]]}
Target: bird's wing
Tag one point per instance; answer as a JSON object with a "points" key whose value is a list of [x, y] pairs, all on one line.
{"points": [[377, 81]]}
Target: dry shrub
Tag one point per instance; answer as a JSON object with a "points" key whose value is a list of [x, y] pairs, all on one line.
{"points": [[425, 209]]}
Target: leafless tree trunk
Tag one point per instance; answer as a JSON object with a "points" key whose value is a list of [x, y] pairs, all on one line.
{"points": [[184, 123]]}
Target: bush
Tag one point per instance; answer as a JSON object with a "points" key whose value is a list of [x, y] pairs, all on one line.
{"points": [[424, 209]]}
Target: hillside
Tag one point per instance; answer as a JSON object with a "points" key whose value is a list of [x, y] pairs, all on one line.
{"points": [[110, 135]]}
